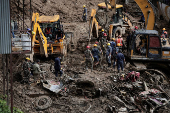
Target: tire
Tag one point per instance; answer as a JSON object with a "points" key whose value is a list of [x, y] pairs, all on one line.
{"points": [[116, 32], [45, 102]]}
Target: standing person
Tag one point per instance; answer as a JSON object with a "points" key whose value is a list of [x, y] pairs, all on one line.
{"points": [[120, 40], [95, 52], [37, 71], [88, 58], [26, 69], [57, 66], [108, 54], [120, 61], [84, 17], [163, 30], [101, 34], [113, 44]]}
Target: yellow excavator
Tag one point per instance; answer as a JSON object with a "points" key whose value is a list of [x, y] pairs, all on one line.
{"points": [[48, 36], [110, 16]]}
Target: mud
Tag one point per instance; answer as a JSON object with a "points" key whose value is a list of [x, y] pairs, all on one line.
{"points": [[105, 79]]}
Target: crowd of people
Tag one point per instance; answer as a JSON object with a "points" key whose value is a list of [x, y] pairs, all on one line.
{"points": [[111, 50]]}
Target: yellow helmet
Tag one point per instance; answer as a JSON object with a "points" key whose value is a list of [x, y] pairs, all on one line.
{"points": [[164, 29], [108, 44], [27, 58], [118, 44], [95, 45], [102, 29], [113, 39], [84, 6]]}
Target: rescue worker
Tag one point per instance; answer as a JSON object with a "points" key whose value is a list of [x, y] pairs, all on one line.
{"points": [[113, 44], [103, 44], [142, 18], [88, 58], [37, 73], [84, 17], [101, 35], [95, 52], [114, 54], [136, 28], [120, 61], [120, 40], [108, 54], [29, 32], [27, 70], [57, 66], [48, 32], [163, 30]]}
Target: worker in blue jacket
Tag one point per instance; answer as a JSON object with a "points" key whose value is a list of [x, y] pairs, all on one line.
{"points": [[57, 66], [108, 54], [84, 17], [96, 52], [120, 60]]}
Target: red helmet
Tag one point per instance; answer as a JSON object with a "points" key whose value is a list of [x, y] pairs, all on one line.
{"points": [[105, 34], [136, 27], [88, 47], [96, 42], [119, 36]]}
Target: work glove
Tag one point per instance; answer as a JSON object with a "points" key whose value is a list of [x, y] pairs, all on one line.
{"points": [[84, 14], [92, 58], [103, 45]]}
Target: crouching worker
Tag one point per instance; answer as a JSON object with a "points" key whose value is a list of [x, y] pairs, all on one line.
{"points": [[37, 73], [95, 52], [57, 66]]}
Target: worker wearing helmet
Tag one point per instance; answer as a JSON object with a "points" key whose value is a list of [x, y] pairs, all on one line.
{"points": [[103, 43], [120, 40], [113, 44], [108, 54], [95, 52], [120, 61], [84, 17], [99, 48], [101, 35], [26, 69], [88, 58], [163, 30]]}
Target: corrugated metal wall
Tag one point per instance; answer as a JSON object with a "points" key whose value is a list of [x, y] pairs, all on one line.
{"points": [[5, 35]]}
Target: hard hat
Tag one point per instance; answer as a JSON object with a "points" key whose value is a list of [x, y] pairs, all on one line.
{"points": [[105, 34], [136, 27], [95, 45], [119, 36], [118, 44], [164, 29], [88, 47], [84, 6], [102, 29], [108, 44], [28, 29], [165, 32], [96, 42], [27, 58], [113, 39]]}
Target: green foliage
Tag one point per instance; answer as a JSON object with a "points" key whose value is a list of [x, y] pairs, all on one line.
{"points": [[4, 108]]}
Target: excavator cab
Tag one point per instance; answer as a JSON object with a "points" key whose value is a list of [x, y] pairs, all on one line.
{"points": [[147, 45], [48, 37]]}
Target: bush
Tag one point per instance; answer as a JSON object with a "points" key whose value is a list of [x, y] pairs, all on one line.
{"points": [[4, 108]]}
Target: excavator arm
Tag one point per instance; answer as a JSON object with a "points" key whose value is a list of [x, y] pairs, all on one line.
{"points": [[42, 41], [148, 13], [93, 28]]}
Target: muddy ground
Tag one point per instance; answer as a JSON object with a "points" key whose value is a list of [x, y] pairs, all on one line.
{"points": [[104, 78]]}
